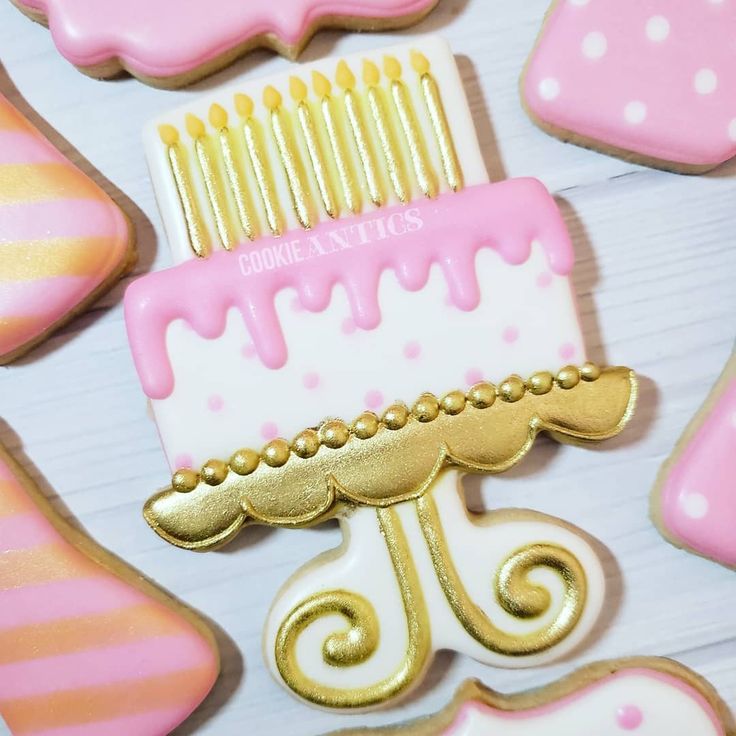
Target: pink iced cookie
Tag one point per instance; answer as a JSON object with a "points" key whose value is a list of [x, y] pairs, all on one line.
{"points": [[694, 503], [649, 80], [170, 43], [87, 647]]}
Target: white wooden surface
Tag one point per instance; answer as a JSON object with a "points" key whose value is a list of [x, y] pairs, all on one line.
{"points": [[655, 279]]}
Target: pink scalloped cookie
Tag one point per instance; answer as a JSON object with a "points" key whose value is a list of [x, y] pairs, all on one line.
{"points": [[170, 43], [694, 502], [87, 647], [63, 241], [653, 81]]}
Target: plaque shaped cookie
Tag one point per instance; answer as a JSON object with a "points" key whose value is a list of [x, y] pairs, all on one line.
{"points": [[86, 644], [342, 254], [169, 43], [653, 82]]}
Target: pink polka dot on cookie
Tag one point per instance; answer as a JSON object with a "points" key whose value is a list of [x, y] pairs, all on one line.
{"points": [[567, 351], [629, 717], [248, 351], [544, 280], [473, 376], [374, 400], [510, 335], [184, 461], [412, 350], [269, 431], [215, 403], [311, 380], [296, 305], [348, 326]]}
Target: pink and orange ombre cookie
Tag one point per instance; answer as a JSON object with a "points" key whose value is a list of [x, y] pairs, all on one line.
{"points": [[169, 43], [87, 647], [63, 241]]}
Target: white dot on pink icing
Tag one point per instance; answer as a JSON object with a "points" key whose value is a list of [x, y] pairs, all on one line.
{"points": [[595, 45], [635, 112], [733, 420], [412, 350], [249, 351], [706, 82], [269, 431], [215, 403], [374, 400], [629, 717], [183, 461], [578, 2], [311, 380], [695, 505], [732, 130], [510, 335], [544, 280], [549, 89], [658, 28], [567, 351], [473, 376], [348, 326]]}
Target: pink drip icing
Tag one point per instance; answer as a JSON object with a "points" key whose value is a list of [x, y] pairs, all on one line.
{"points": [[449, 231]]}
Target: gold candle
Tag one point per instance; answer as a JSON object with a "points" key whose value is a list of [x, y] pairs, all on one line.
{"points": [[436, 109], [238, 186], [299, 93], [412, 132], [212, 181], [198, 238], [289, 155], [346, 81], [259, 162], [350, 190], [391, 152]]}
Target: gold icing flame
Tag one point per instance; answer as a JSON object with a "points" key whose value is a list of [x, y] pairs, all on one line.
{"points": [[169, 135], [218, 116], [297, 89], [371, 74], [344, 76], [392, 68], [244, 105], [272, 98], [419, 62], [195, 127], [322, 85]]}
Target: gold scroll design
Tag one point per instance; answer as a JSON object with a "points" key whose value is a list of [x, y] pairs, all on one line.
{"points": [[392, 466], [359, 642]]}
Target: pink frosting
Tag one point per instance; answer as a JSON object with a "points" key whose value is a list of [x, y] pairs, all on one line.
{"points": [[656, 77], [698, 499], [171, 37], [448, 231]]}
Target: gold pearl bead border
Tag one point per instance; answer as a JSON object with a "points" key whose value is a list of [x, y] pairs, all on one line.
{"points": [[336, 433]]}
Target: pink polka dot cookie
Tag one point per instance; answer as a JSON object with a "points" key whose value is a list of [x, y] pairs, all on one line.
{"points": [[653, 82], [694, 501], [169, 43], [635, 697]]}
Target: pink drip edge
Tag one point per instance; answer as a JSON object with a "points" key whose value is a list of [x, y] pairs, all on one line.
{"points": [[507, 217]]}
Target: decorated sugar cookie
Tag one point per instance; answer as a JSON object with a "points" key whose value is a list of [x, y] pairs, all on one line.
{"points": [[644, 696], [694, 501], [654, 82], [63, 241], [169, 43], [87, 645], [342, 254]]}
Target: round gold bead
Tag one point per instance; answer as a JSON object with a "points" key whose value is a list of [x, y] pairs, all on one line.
{"points": [[568, 377], [482, 395], [334, 434], [244, 462], [214, 472], [590, 372], [426, 409], [512, 389], [541, 383], [276, 453], [306, 444], [453, 403], [366, 426], [396, 417], [185, 481]]}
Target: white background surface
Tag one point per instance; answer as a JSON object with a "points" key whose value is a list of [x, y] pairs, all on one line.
{"points": [[655, 280]]}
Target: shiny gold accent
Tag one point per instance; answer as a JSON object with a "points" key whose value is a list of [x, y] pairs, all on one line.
{"points": [[214, 472], [397, 466], [427, 408], [306, 444], [199, 240], [212, 181], [346, 81], [440, 126], [568, 377], [404, 106], [238, 187], [482, 395], [514, 592], [360, 641], [512, 389], [590, 372], [541, 383], [290, 159], [453, 403], [261, 166], [276, 453], [350, 190], [396, 417], [366, 425], [245, 461], [320, 168], [334, 434], [185, 480], [385, 130]]}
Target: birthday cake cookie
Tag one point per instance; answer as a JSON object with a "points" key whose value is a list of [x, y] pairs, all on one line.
{"points": [[63, 241], [653, 82], [87, 646], [169, 43], [346, 330]]}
